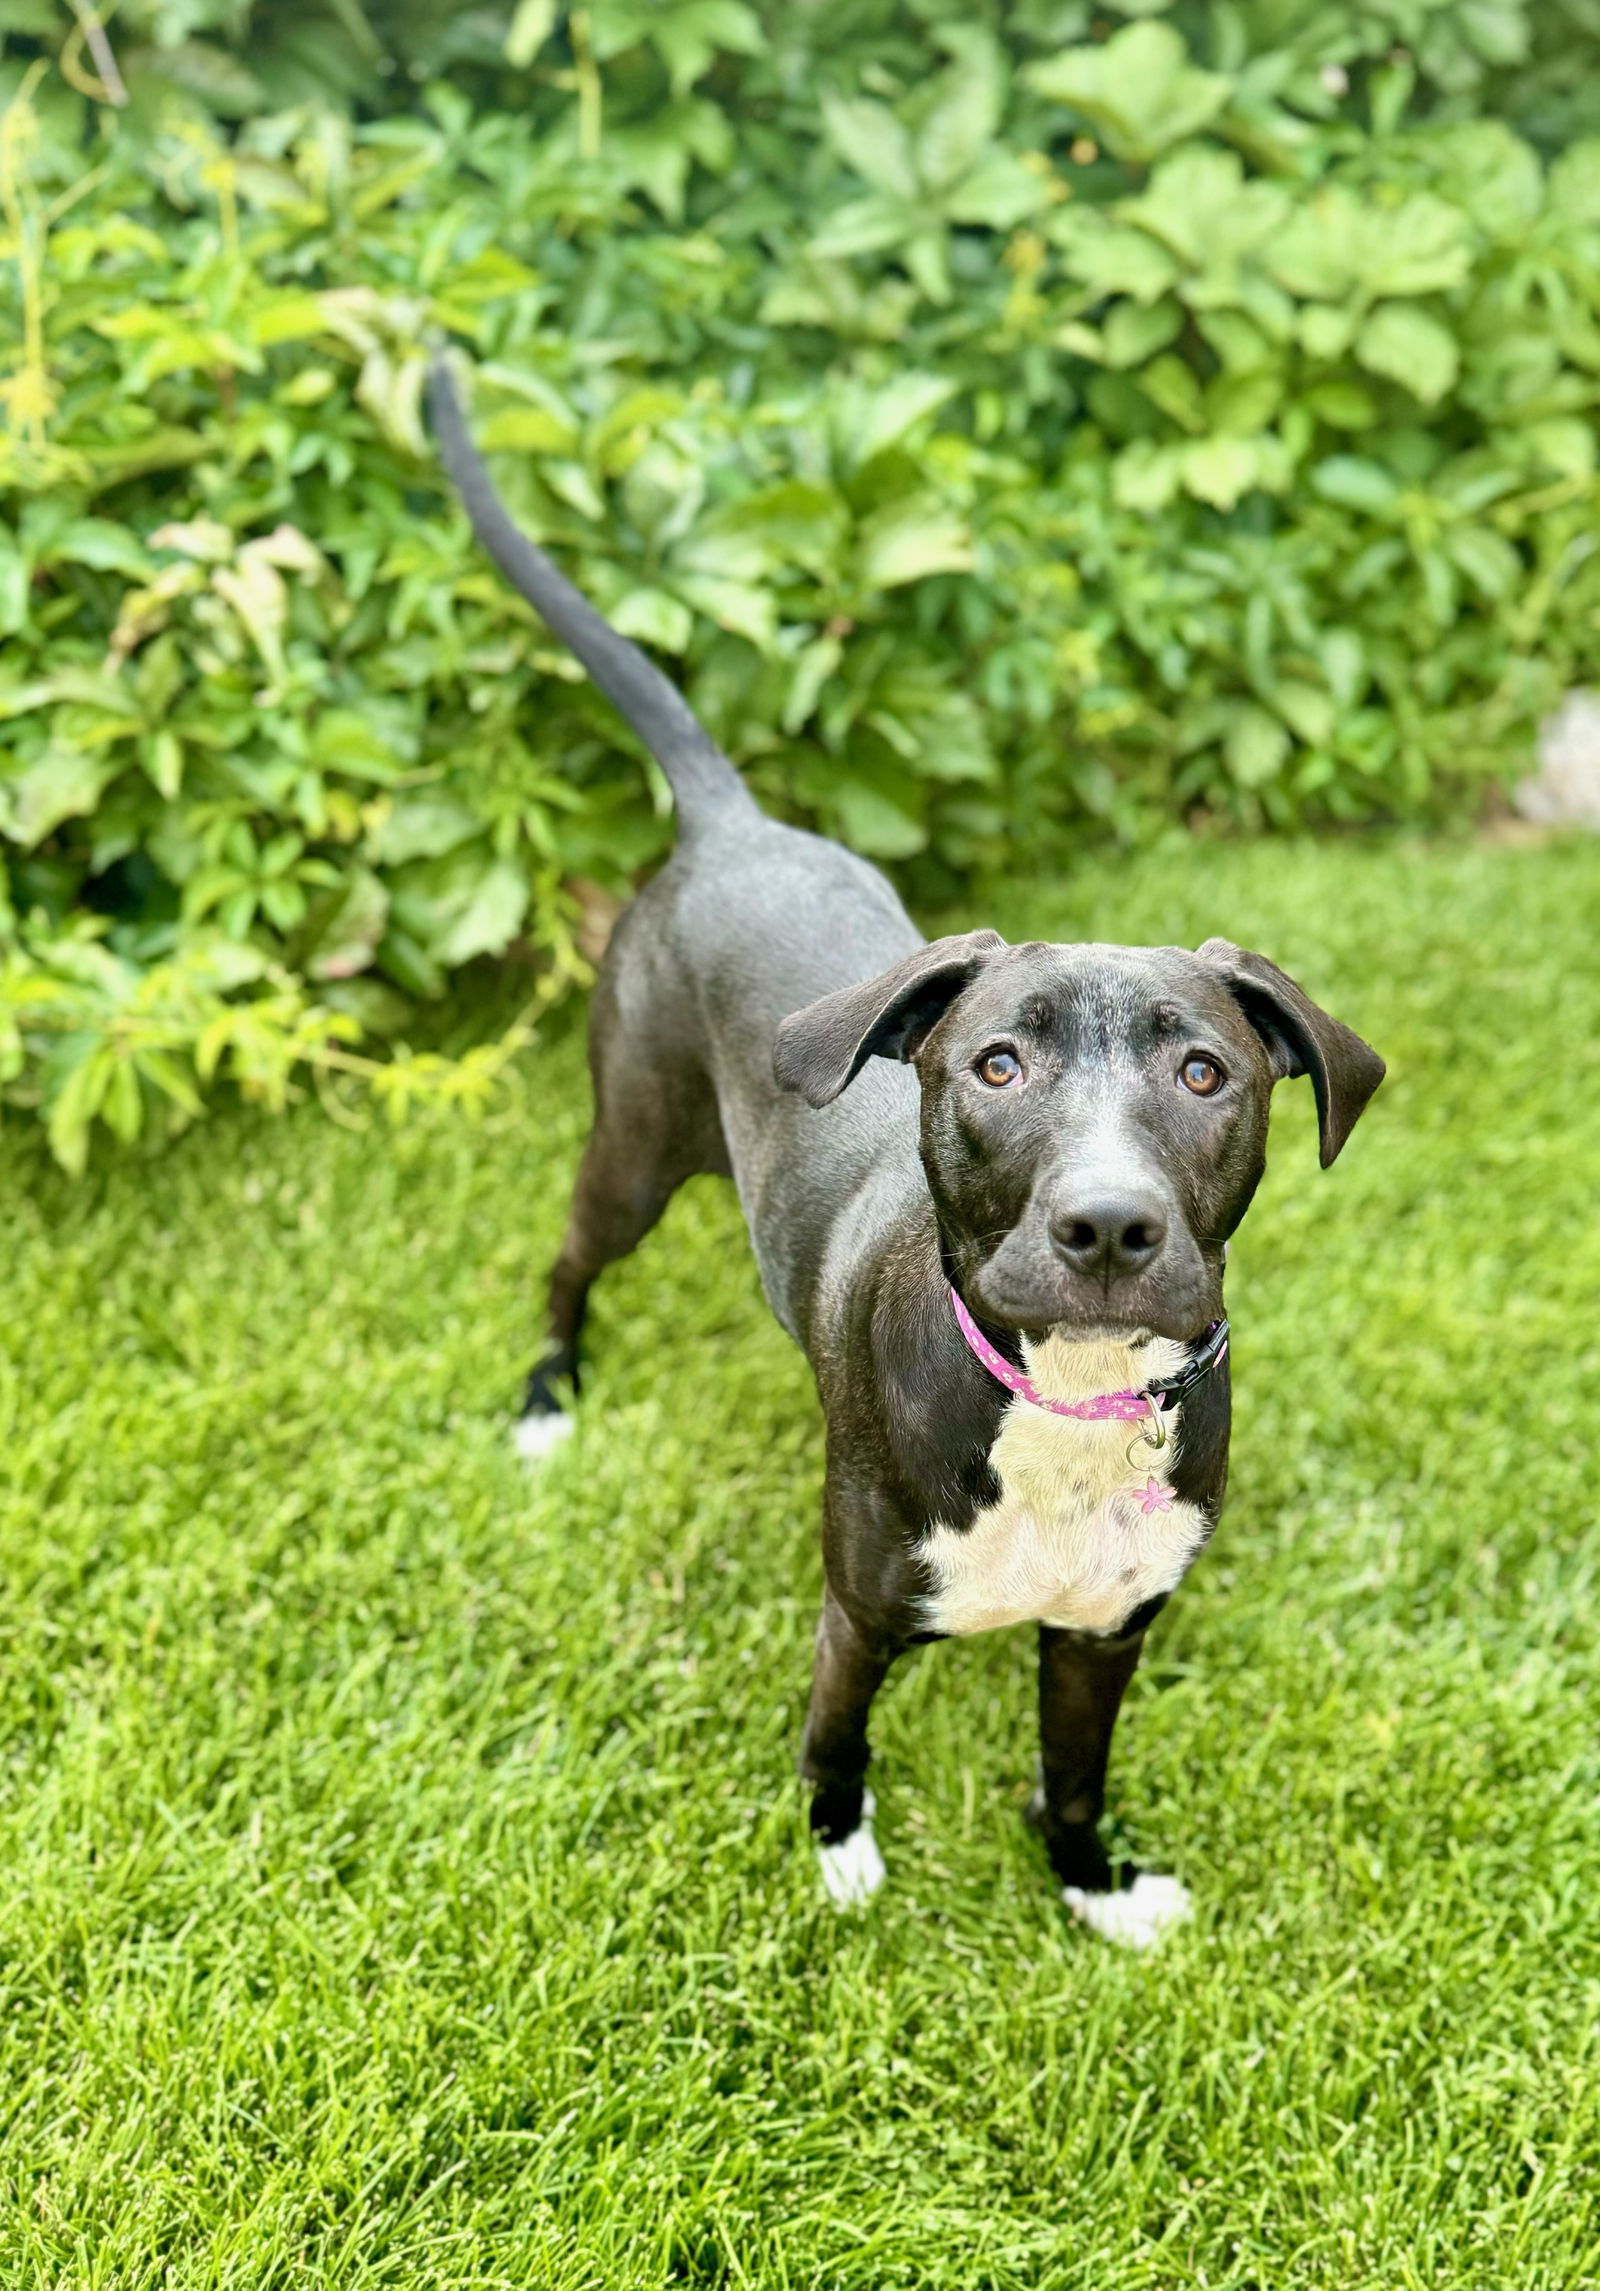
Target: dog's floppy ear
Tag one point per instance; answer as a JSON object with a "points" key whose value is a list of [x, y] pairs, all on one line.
{"points": [[1301, 1039], [823, 1047]]}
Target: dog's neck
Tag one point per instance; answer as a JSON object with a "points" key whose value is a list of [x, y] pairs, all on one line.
{"points": [[1096, 1379]]}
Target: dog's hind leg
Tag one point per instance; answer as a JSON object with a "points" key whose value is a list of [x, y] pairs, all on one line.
{"points": [[834, 1755], [1081, 1685], [655, 1124], [625, 1180], [614, 1205]]}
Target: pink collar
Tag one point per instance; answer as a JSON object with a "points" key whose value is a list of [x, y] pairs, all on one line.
{"points": [[1107, 1407]]}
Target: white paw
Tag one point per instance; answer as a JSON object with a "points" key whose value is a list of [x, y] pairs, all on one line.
{"points": [[535, 1437], [853, 1870], [1137, 1918]]}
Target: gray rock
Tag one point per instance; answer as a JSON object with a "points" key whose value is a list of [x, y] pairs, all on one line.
{"points": [[1565, 790]]}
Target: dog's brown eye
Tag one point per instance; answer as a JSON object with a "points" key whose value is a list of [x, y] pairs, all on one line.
{"points": [[998, 1067], [1200, 1076]]}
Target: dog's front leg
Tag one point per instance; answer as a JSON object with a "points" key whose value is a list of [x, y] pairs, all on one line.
{"points": [[834, 1753], [1081, 1684]]}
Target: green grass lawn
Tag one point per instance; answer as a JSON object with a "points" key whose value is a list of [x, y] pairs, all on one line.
{"points": [[402, 1877]]}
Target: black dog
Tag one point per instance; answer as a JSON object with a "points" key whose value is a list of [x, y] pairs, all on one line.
{"points": [[1005, 1267]]}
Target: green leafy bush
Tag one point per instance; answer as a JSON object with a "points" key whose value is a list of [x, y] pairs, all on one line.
{"points": [[1010, 434]]}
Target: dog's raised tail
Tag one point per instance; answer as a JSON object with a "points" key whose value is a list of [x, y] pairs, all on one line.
{"points": [[702, 780]]}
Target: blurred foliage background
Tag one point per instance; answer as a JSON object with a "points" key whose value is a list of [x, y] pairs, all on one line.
{"points": [[1017, 424]]}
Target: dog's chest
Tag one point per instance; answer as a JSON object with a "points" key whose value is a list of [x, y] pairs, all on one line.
{"points": [[1086, 1527]]}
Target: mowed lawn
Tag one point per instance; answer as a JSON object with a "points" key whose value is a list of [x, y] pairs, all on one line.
{"points": [[402, 1877]]}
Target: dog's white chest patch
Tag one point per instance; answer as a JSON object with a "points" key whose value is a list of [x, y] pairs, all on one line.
{"points": [[1086, 1527]]}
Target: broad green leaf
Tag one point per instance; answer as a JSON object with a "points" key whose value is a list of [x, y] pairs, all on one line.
{"points": [[1497, 30], [1573, 191], [526, 429], [949, 740], [1123, 408], [1109, 257], [572, 483], [64, 782], [97, 542], [532, 22], [488, 919], [1240, 405], [1487, 559], [1238, 341], [256, 591], [869, 421], [815, 291], [163, 1073], [662, 491], [162, 757], [1344, 405], [1337, 245], [1355, 484], [1256, 745], [348, 926], [802, 522], [875, 823], [206, 539], [420, 824], [1220, 470], [122, 1110], [1344, 664], [1133, 332], [1139, 89], [404, 959], [738, 606], [1563, 443], [1171, 384], [926, 256], [288, 318], [1307, 709], [999, 193], [865, 226], [650, 616], [689, 34], [15, 578], [911, 539], [1486, 169], [727, 550], [634, 416], [22, 699], [140, 322], [965, 113], [88, 688], [372, 745], [391, 389], [871, 139], [77, 1078], [118, 461], [220, 80], [655, 156], [812, 668], [1147, 476], [1422, 248], [1326, 332], [1200, 205], [1408, 345]]}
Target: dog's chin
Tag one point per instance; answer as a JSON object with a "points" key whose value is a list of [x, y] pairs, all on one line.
{"points": [[1084, 1313]]}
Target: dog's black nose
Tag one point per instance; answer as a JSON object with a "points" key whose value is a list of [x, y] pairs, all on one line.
{"points": [[1106, 1237]]}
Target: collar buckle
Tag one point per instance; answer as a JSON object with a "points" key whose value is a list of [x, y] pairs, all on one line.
{"points": [[1166, 1391]]}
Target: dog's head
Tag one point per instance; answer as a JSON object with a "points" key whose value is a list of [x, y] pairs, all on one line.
{"points": [[1094, 1118]]}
